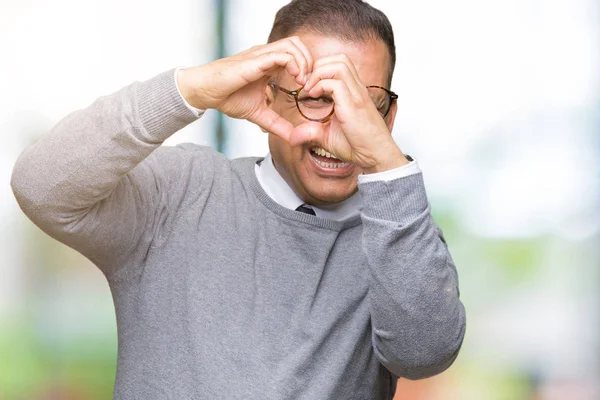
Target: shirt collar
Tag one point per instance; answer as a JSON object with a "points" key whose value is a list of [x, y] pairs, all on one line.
{"points": [[278, 189]]}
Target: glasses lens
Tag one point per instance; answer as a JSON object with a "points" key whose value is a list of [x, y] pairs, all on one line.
{"points": [[381, 99], [314, 108]]}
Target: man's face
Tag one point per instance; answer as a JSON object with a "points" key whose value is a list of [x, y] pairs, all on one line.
{"points": [[296, 164]]}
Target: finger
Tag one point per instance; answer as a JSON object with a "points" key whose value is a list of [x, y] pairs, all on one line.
{"points": [[308, 132], [339, 71], [272, 122], [338, 58], [296, 47], [342, 97], [266, 63], [306, 52], [290, 46]]}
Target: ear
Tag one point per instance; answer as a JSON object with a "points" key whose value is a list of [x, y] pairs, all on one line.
{"points": [[269, 100], [269, 96], [391, 117]]}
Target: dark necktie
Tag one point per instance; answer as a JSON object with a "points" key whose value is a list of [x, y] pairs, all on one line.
{"points": [[306, 210]]}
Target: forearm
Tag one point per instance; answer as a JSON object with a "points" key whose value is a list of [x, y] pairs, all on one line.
{"points": [[418, 320], [79, 183], [86, 154]]}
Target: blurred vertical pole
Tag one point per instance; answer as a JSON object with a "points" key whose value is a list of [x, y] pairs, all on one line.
{"points": [[221, 28]]}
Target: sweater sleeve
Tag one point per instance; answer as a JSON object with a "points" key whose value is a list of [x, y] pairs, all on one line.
{"points": [[84, 182], [417, 317]]}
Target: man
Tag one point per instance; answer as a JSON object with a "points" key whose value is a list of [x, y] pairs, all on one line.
{"points": [[314, 273]]}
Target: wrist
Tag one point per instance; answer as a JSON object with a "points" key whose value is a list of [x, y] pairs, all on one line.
{"points": [[187, 82], [389, 159]]}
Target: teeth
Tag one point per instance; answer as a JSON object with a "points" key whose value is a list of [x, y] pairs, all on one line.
{"points": [[332, 165], [322, 152]]}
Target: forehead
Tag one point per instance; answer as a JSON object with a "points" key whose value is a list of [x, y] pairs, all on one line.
{"points": [[371, 57]]}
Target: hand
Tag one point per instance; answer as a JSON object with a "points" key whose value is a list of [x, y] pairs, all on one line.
{"points": [[236, 85], [357, 132]]}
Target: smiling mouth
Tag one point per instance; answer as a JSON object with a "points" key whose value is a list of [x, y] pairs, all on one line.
{"points": [[325, 159]]}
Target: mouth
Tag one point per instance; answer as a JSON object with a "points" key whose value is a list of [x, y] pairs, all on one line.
{"points": [[327, 165], [327, 160]]}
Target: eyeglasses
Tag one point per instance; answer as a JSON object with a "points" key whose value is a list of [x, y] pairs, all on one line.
{"points": [[321, 109]]}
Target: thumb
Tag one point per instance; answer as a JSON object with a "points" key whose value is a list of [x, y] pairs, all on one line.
{"points": [[306, 132], [270, 121]]}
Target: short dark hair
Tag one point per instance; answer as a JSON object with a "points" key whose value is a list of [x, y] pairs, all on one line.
{"points": [[349, 20]]}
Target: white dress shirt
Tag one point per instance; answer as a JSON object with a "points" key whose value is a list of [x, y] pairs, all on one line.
{"points": [[278, 189]]}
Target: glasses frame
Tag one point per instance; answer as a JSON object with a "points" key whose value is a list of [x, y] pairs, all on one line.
{"points": [[295, 93]]}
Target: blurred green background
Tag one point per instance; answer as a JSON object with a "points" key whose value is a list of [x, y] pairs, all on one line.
{"points": [[499, 103]]}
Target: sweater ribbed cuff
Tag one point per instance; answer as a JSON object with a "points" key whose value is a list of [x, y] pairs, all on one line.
{"points": [[400, 200], [161, 109]]}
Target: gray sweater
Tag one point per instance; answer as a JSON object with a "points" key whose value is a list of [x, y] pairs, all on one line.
{"points": [[220, 292]]}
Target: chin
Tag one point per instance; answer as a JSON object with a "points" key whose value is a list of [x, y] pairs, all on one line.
{"points": [[324, 195]]}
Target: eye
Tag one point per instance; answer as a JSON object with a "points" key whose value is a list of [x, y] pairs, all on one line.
{"points": [[316, 102]]}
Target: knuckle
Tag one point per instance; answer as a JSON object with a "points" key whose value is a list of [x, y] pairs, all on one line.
{"points": [[254, 50], [341, 66], [337, 58], [266, 56]]}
